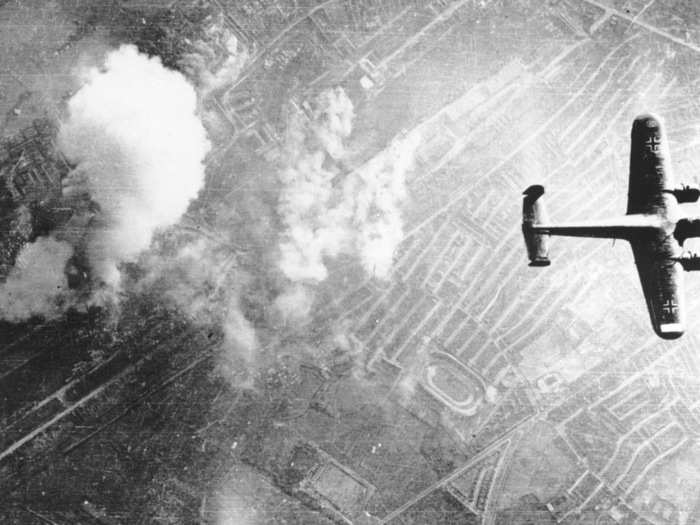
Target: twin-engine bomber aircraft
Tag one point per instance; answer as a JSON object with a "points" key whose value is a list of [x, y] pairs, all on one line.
{"points": [[654, 227]]}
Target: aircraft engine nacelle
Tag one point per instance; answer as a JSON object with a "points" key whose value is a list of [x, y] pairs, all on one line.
{"points": [[690, 262], [687, 228], [534, 214], [687, 193]]}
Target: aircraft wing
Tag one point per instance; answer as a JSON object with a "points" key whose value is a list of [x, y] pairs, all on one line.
{"points": [[649, 172], [662, 284]]}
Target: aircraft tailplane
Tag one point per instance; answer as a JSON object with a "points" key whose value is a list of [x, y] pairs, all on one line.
{"points": [[534, 213]]}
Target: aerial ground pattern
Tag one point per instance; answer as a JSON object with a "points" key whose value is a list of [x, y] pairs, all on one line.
{"points": [[454, 384]]}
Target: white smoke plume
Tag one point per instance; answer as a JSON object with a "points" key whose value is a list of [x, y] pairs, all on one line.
{"points": [[295, 303], [216, 60], [203, 280], [324, 217], [333, 121], [239, 333], [314, 229], [37, 283], [138, 146], [376, 191]]}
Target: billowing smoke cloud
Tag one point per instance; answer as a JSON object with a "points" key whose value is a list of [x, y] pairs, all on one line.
{"points": [[259, 284], [327, 213], [138, 147], [37, 283]]}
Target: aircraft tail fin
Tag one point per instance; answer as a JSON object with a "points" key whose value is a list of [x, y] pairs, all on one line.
{"points": [[534, 213]]}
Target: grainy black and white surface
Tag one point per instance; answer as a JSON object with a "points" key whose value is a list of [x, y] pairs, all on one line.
{"points": [[261, 262]]}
